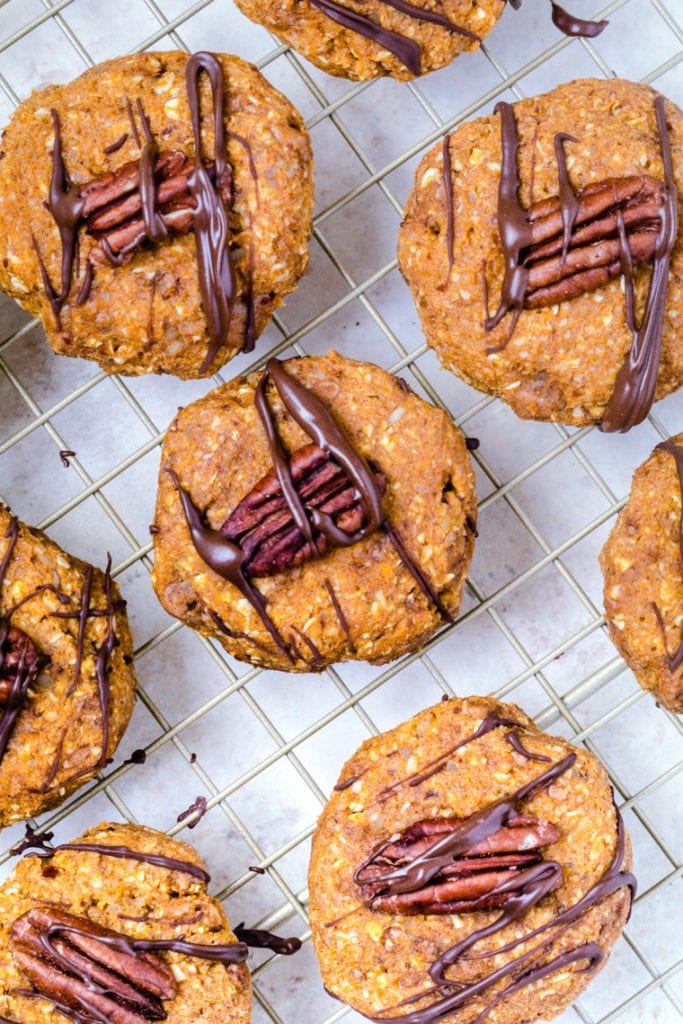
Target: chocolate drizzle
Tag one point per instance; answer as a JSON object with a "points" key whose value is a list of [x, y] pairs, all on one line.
{"points": [[636, 382], [642, 205], [514, 739], [120, 852], [675, 660], [406, 49], [66, 206], [343, 622], [450, 212], [259, 938], [522, 893], [210, 221]]}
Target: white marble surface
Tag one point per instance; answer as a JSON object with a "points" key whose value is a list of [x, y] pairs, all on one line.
{"points": [[272, 745]]}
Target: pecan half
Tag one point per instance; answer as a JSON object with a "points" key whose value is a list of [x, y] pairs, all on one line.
{"points": [[593, 254], [113, 205], [18, 657], [77, 964], [262, 523], [472, 881]]}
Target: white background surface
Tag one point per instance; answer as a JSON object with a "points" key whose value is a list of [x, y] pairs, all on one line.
{"points": [[269, 747]]}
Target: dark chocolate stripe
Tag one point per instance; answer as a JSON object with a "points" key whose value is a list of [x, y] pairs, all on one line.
{"points": [[407, 50], [636, 382], [675, 660], [125, 853], [259, 938], [573, 26]]}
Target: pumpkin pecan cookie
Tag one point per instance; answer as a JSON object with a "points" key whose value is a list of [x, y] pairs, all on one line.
{"points": [[67, 683], [468, 867], [316, 512], [641, 563], [155, 211], [543, 251], [118, 927]]}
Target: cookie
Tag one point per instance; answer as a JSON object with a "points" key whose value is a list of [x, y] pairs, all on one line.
{"points": [[468, 867], [67, 682], [366, 555], [118, 927], [542, 248], [361, 40], [155, 211], [641, 563]]}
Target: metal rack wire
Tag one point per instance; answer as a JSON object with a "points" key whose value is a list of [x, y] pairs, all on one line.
{"points": [[585, 701]]}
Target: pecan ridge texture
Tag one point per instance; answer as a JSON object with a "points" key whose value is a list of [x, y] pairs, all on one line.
{"points": [[482, 878], [594, 253], [262, 523], [89, 970]]}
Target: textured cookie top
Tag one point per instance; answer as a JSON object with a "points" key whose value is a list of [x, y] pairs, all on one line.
{"points": [[67, 683], [480, 779], [642, 566], [397, 482], [361, 40], [572, 337], [179, 262], [143, 886]]}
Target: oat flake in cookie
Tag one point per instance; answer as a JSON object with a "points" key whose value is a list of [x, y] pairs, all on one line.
{"points": [[467, 868], [155, 211], [316, 512], [642, 563], [542, 248], [67, 684], [117, 927]]}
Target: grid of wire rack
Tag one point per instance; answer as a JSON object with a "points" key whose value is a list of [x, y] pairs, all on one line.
{"points": [[554, 658]]}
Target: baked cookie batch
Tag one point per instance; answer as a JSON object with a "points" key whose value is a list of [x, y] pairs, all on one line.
{"points": [[154, 214]]}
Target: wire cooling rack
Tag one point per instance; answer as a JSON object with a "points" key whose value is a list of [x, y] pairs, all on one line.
{"points": [[265, 748]]}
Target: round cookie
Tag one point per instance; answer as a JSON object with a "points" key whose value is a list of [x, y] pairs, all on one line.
{"points": [[522, 208], [143, 888], [67, 682], [135, 246], [641, 564], [467, 867], [386, 492], [362, 39]]}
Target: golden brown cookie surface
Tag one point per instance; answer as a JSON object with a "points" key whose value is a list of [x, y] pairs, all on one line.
{"points": [[362, 40], [357, 600], [67, 682], [145, 294], [641, 564], [563, 356], [122, 891], [529, 840]]}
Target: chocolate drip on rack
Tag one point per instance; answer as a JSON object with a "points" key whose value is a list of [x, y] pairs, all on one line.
{"points": [[675, 660], [259, 938], [636, 382], [567, 23]]}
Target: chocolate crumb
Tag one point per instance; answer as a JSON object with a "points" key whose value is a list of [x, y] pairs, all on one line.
{"points": [[472, 443], [257, 870], [65, 455], [137, 757]]}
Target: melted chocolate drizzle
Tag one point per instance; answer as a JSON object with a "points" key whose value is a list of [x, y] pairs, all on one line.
{"points": [[259, 938], [635, 385], [114, 147], [343, 622], [45, 851], [675, 660], [514, 739], [406, 49], [210, 222], [227, 558], [634, 389], [535, 883], [450, 212], [66, 206]]}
